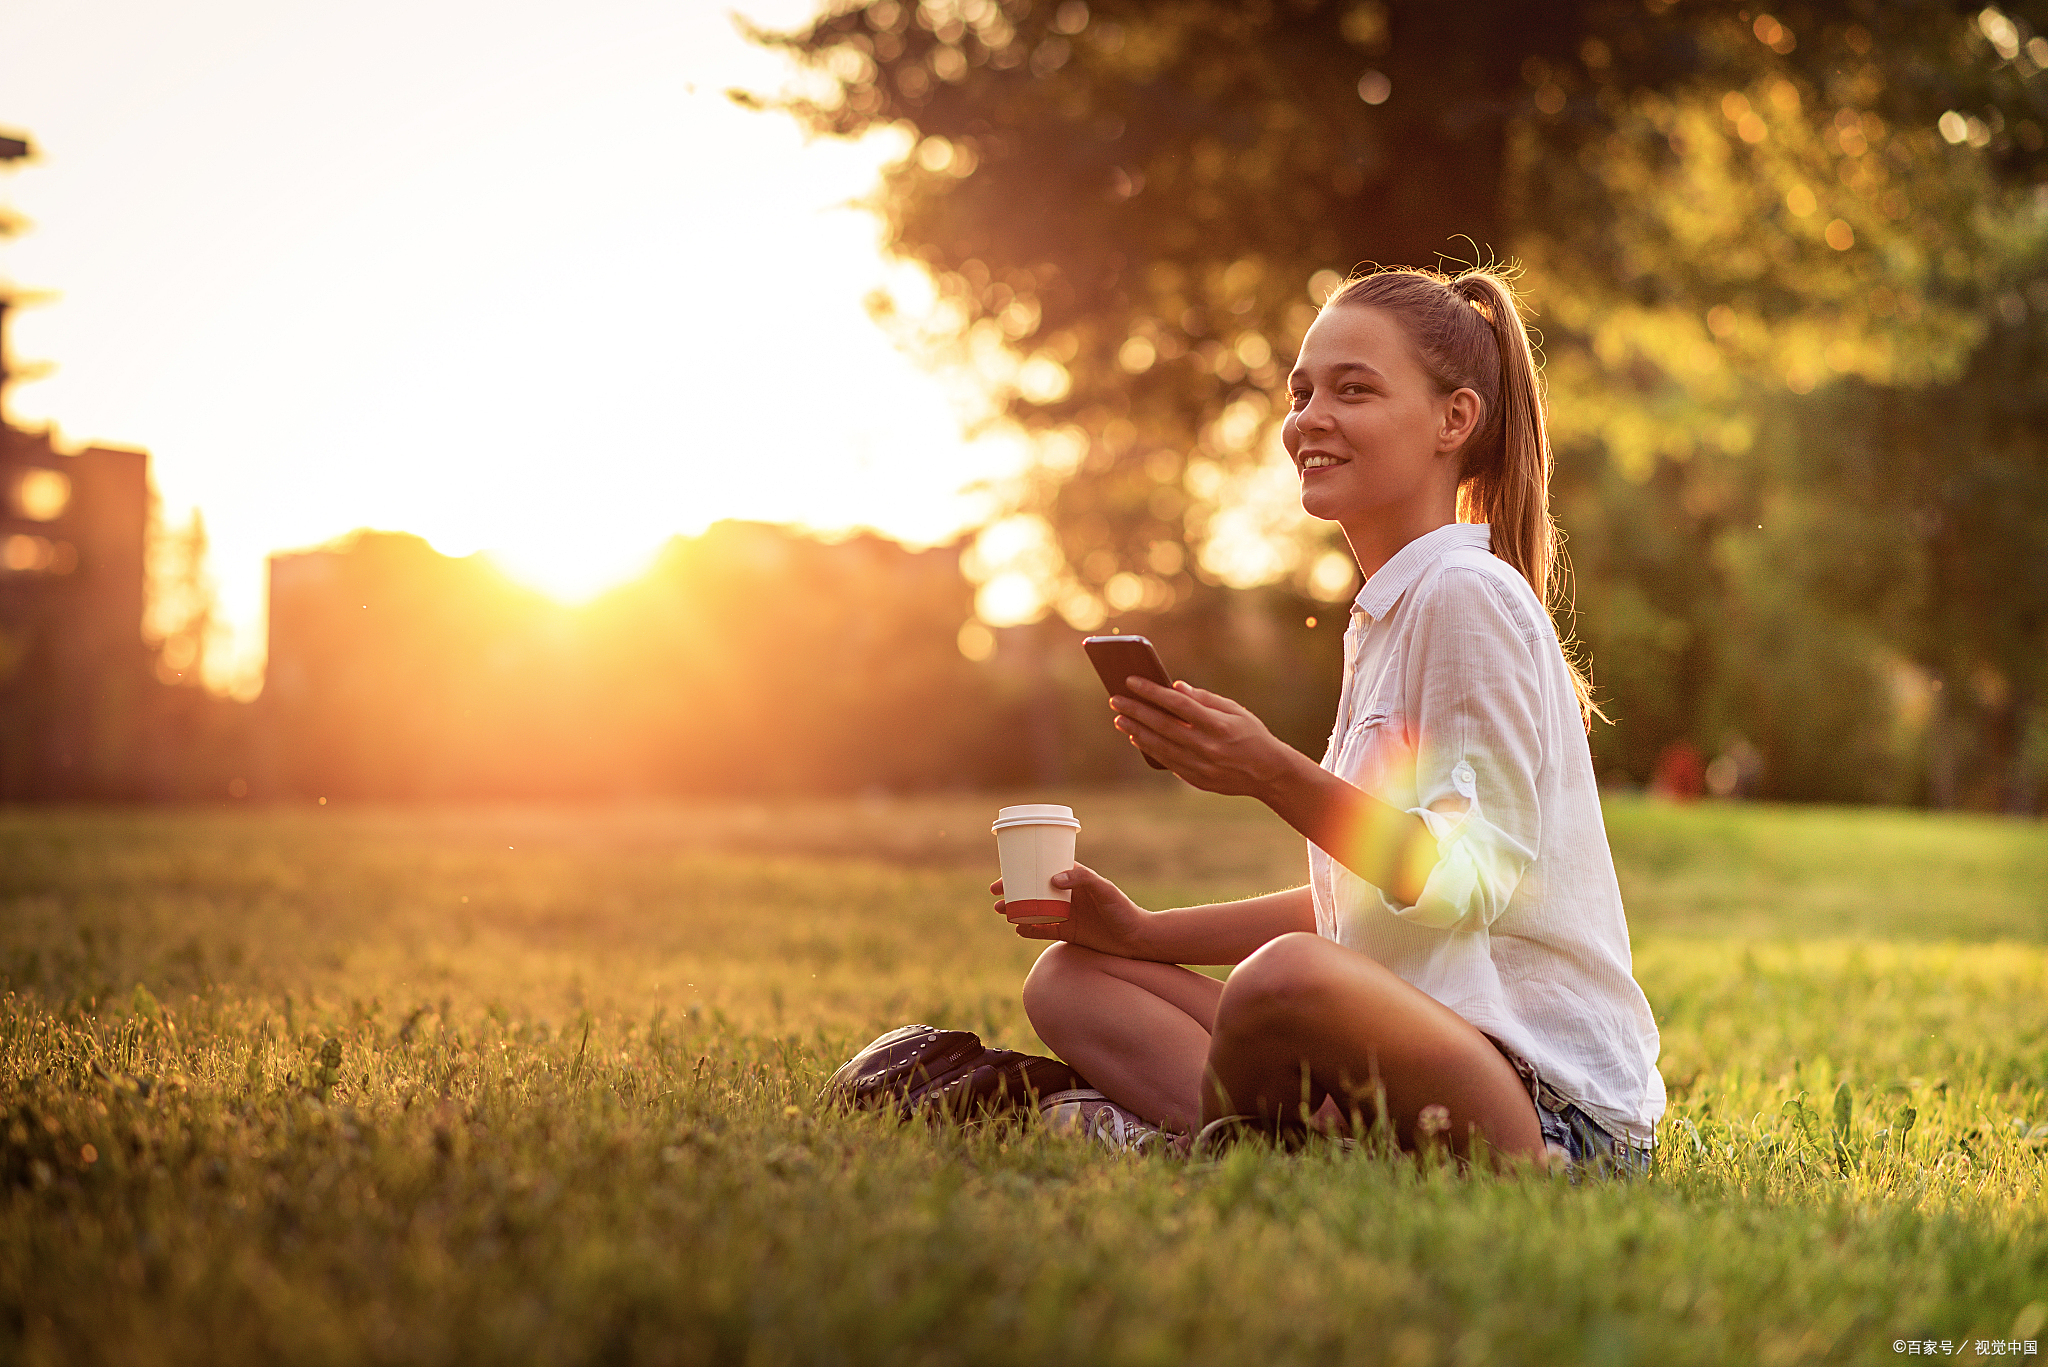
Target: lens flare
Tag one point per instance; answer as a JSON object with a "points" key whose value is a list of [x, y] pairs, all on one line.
{"points": [[1378, 840]]}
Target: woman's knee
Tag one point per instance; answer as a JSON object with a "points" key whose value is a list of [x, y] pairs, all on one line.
{"points": [[1055, 975], [1284, 978]]}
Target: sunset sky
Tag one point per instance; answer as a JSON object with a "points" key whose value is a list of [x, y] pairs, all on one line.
{"points": [[515, 277]]}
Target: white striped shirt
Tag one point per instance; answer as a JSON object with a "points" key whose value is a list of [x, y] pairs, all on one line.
{"points": [[1458, 707]]}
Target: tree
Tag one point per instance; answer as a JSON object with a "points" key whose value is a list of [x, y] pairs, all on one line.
{"points": [[184, 607], [1128, 210]]}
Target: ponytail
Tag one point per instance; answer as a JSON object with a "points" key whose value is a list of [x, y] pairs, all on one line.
{"points": [[1468, 334]]}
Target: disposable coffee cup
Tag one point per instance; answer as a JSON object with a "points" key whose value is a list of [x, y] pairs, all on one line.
{"points": [[1034, 842]]}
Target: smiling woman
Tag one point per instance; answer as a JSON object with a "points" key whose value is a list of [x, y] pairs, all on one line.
{"points": [[526, 281], [1456, 796]]}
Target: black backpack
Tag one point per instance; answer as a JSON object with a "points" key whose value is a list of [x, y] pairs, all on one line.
{"points": [[920, 1070]]}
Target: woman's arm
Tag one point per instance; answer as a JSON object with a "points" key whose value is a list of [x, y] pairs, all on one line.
{"points": [[1102, 917], [1217, 745]]}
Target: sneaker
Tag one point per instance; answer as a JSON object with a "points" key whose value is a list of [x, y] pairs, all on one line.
{"points": [[1221, 1134], [1086, 1112]]}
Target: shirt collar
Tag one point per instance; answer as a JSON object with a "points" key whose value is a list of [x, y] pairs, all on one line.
{"points": [[1385, 588]]}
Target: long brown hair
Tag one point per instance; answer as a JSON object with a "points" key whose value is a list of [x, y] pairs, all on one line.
{"points": [[1468, 333]]}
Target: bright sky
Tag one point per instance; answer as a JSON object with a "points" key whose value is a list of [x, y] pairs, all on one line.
{"points": [[514, 276]]}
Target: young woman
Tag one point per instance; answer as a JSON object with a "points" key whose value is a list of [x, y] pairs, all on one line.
{"points": [[1458, 961]]}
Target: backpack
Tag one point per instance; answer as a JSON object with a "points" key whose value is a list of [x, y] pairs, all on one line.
{"points": [[920, 1070]]}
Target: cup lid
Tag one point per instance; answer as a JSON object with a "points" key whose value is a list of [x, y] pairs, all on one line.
{"points": [[1035, 814]]}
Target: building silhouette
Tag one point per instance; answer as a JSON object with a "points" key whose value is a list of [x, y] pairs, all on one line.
{"points": [[82, 712], [75, 672]]}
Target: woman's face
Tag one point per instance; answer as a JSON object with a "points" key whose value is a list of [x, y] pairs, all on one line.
{"points": [[1371, 438]]}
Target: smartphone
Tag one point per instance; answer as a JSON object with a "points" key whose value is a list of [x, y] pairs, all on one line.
{"points": [[1117, 658]]}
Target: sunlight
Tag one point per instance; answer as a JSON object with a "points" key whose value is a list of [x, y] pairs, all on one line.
{"points": [[546, 293], [572, 570]]}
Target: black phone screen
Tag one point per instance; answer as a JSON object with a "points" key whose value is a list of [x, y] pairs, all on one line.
{"points": [[1117, 658]]}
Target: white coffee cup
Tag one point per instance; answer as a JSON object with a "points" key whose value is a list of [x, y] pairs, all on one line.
{"points": [[1034, 842]]}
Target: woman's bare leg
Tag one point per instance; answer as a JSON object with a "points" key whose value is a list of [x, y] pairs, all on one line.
{"points": [[1305, 1005], [1138, 1031]]}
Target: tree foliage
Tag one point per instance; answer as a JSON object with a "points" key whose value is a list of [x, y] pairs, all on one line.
{"points": [[1130, 209]]}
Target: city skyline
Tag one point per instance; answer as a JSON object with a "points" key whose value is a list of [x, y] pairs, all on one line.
{"points": [[514, 280]]}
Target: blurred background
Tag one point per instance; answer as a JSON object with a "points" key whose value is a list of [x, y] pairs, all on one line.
{"points": [[455, 401]]}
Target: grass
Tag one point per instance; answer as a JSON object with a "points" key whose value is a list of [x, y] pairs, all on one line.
{"points": [[346, 1085]]}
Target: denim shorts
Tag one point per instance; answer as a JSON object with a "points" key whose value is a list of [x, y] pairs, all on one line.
{"points": [[1572, 1134]]}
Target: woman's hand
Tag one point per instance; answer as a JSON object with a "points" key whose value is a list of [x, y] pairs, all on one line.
{"points": [[1209, 741], [1217, 745], [1099, 917]]}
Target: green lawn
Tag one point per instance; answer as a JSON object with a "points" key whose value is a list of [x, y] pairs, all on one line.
{"points": [[478, 1085]]}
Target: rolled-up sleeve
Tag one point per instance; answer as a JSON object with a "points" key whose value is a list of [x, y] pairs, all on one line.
{"points": [[1473, 692]]}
